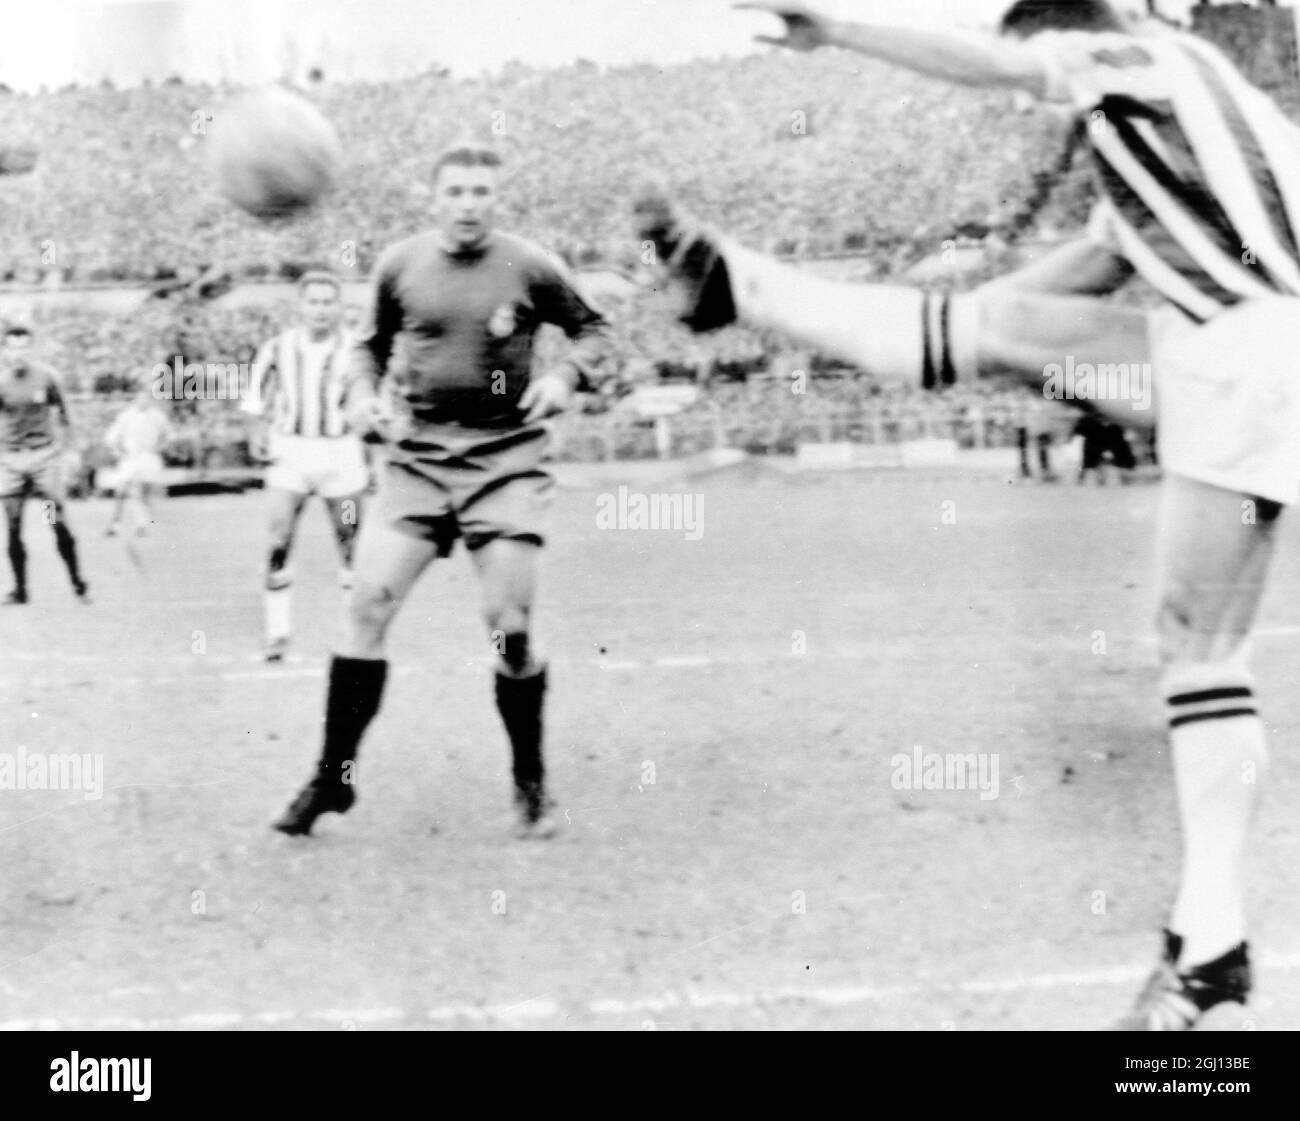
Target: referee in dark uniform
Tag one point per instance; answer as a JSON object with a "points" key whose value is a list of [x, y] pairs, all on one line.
{"points": [[441, 374]]}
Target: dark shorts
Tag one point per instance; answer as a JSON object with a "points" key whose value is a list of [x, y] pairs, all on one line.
{"points": [[33, 473], [478, 486]]}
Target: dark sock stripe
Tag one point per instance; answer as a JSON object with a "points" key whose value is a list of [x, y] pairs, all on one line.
{"points": [[1226, 693], [1213, 714], [927, 350], [948, 374]]}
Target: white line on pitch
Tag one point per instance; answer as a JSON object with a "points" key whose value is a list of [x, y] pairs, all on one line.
{"points": [[842, 653], [542, 1008]]}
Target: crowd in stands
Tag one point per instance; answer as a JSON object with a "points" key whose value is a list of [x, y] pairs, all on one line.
{"points": [[802, 156], [794, 154]]}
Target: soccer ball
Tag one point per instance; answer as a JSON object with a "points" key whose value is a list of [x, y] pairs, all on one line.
{"points": [[273, 153]]}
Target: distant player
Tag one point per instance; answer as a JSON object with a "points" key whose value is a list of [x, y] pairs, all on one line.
{"points": [[1200, 174], [449, 342], [137, 436], [299, 380], [34, 427]]}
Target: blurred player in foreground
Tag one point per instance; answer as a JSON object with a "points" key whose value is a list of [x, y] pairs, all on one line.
{"points": [[33, 434], [300, 378], [1194, 163], [449, 340], [137, 437]]}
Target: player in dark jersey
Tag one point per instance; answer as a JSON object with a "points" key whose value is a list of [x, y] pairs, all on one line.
{"points": [[32, 411], [442, 374]]}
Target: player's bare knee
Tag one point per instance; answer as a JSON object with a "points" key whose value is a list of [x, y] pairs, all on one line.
{"points": [[371, 608]]}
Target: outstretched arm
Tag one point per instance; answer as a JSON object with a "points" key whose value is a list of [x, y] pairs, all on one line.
{"points": [[1078, 268], [966, 58]]}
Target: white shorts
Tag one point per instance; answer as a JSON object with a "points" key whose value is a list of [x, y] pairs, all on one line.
{"points": [[1228, 397], [145, 468], [328, 466]]}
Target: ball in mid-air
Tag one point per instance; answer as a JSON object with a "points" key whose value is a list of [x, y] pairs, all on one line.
{"points": [[273, 153]]}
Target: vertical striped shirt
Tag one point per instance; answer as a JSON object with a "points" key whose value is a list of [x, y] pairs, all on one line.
{"points": [[302, 383], [1199, 170]]}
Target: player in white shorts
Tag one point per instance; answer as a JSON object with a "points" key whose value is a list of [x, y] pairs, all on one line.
{"points": [[137, 436], [1200, 179], [298, 380]]}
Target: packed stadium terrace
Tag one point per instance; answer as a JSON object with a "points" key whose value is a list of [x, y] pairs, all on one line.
{"points": [[797, 154], [800, 155]]}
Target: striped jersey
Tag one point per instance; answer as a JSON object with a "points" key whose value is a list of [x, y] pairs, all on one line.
{"points": [[1199, 170], [302, 382]]}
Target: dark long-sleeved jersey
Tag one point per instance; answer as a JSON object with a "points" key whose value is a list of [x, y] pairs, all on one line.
{"points": [[29, 399], [453, 331]]}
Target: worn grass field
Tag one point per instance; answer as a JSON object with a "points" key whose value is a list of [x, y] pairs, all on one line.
{"points": [[728, 724]]}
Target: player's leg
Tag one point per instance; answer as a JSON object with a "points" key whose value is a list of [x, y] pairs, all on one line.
{"points": [[507, 571], [49, 486], [342, 482], [1229, 414], [284, 509], [55, 512], [121, 492], [13, 510], [345, 516], [902, 334], [1215, 549], [388, 563], [502, 511]]}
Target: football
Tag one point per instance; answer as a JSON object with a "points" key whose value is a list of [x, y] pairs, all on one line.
{"points": [[273, 153]]}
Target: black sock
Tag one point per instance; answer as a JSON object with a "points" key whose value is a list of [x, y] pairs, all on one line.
{"points": [[355, 688], [18, 562], [519, 700], [67, 547]]}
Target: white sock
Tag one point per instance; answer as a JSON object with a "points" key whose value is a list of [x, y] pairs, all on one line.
{"points": [[875, 326], [1219, 764], [278, 612]]}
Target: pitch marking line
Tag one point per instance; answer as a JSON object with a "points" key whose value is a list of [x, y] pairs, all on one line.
{"points": [[543, 1008], [845, 653]]}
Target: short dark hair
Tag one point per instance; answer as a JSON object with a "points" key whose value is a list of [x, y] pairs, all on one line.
{"points": [[1028, 17], [466, 155], [319, 276]]}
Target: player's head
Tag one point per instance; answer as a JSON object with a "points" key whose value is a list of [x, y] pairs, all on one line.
{"points": [[320, 300], [15, 342], [1028, 17], [465, 194]]}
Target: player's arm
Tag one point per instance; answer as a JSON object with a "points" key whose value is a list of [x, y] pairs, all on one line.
{"points": [[263, 386], [263, 382], [966, 58], [558, 301], [58, 404], [370, 352], [1083, 267]]}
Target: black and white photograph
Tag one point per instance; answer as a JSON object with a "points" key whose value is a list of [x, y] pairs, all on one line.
{"points": [[649, 515]]}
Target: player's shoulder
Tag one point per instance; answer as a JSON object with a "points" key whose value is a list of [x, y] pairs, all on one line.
{"points": [[413, 247], [523, 253]]}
